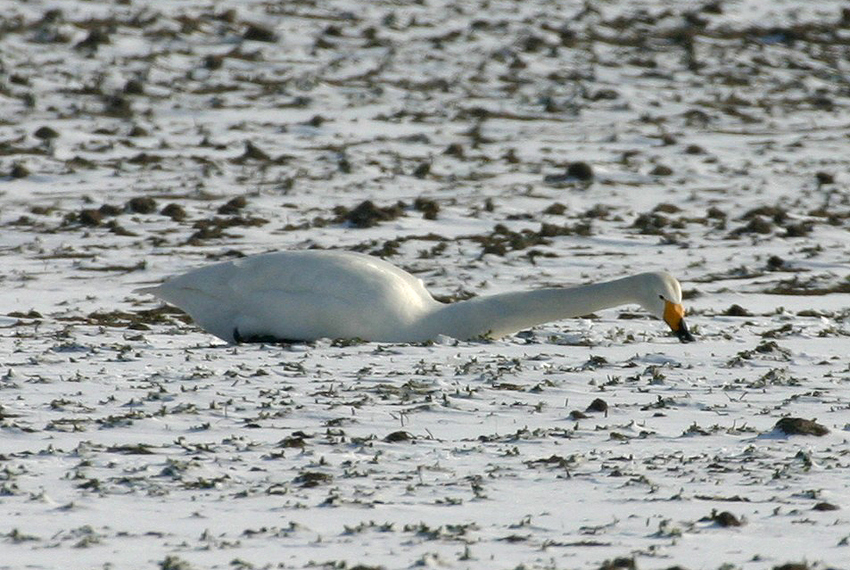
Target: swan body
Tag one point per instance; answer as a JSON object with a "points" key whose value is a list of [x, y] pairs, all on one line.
{"points": [[307, 295]]}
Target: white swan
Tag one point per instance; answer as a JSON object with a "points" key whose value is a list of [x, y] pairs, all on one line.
{"points": [[306, 295]]}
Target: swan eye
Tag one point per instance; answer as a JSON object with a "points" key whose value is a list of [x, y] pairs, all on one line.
{"points": [[661, 297]]}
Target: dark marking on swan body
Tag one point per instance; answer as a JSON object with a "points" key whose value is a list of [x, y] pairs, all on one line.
{"points": [[261, 339]]}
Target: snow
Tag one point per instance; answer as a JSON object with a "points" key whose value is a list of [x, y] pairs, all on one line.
{"points": [[131, 439]]}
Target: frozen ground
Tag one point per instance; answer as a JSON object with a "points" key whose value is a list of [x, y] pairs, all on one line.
{"points": [[139, 139]]}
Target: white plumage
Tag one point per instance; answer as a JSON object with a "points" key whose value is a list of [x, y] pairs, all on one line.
{"points": [[306, 295]]}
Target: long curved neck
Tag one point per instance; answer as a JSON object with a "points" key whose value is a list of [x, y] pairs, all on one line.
{"points": [[502, 314]]}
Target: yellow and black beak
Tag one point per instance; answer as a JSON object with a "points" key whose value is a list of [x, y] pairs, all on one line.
{"points": [[674, 314]]}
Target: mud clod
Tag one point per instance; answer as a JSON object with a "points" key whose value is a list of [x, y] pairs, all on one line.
{"points": [[258, 33], [142, 205], [724, 519], [737, 311], [399, 436], [19, 171], [45, 133], [580, 171], [367, 214], [621, 563], [800, 426], [174, 211], [429, 208], [233, 206]]}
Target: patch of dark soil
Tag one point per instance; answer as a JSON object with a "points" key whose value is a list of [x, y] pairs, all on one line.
{"points": [[422, 170], [142, 205], [399, 436], [174, 211], [824, 178], [651, 224], [293, 442], [737, 311], [575, 172], [509, 386], [110, 210], [832, 218], [555, 209], [598, 212], [553, 460], [502, 239], [800, 426], [233, 206], [80, 162], [771, 347], [86, 217], [455, 150], [777, 214], [144, 159], [667, 208], [800, 229], [388, 249], [256, 154], [724, 519], [18, 170], [367, 214], [767, 350], [258, 33], [316, 121], [429, 208], [131, 449], [45, 133], [715, 213], [775, 263], [214, 228], [117, 106], [134, 87], [309, 479], [793, 566], [688, 294], [95, 38], [756, 225], [8, 148], [119, 230], [824, 506], [733, 498], [579, 229], [621, 563], [135, 321], [580, 171], [796, 286]]}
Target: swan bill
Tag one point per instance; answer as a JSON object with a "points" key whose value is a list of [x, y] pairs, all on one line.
{"points": [[683, 333], [674, 316]]}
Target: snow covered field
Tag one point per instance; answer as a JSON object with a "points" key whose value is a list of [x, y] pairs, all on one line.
{"points": [[485, 146]]}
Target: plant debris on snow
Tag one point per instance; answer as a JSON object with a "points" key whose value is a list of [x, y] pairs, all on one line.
{"points": [[484, 147]]}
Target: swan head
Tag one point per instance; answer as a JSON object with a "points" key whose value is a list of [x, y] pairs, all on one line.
{"points": [[661, 295]]}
